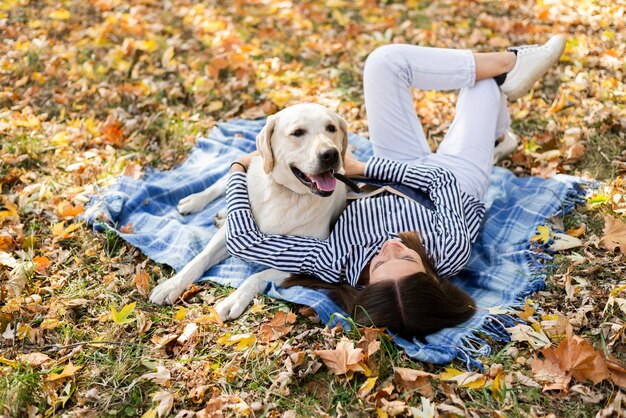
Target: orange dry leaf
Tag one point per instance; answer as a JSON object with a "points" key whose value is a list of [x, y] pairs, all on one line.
{"points": [[142, 282], [68, 371], [41, 264], [614, 234], [277, 327], [577, 232], [344, 358], [112, 132], [574, 357], [67, 209]]}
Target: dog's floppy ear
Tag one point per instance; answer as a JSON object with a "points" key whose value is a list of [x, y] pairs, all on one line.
{"points": [[343, 125], [264, 143]]}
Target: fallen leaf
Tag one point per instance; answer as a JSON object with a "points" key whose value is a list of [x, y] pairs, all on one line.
{"points": [[472, 380], [141, 281], [578, 231], [614, 234], [367, 387], [34, 359], [544, 234], [122, 317], [344, 358], [68, 371], [523, 332], [617, 373], [410, 380], [529, 310], [160, 377], [243, 341], [277, 327], [69, 210], [41, 264], [165, 400], [574, 357]]}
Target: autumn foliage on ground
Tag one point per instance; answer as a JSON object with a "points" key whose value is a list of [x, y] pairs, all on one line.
{"points": [[96, 89]]}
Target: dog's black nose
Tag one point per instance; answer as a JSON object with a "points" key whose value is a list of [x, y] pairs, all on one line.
{"points": [[329, 156]]}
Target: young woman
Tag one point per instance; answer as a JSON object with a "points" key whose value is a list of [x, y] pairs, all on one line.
{"points": [[388, 259]]}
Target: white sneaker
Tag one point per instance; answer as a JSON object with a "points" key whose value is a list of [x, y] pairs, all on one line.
{"points": [[506, 146], [532, 63]]}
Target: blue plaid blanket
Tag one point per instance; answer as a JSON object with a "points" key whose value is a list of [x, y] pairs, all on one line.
{"points": [[503, 271]]}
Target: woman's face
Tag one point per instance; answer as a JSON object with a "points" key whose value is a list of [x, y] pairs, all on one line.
{"points": [[394, 261]]}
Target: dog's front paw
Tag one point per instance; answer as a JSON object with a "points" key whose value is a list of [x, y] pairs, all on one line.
{"points": [[232, 307], [192, 204], [167, 292]]}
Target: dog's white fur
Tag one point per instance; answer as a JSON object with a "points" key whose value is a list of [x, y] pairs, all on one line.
{"points": [[281, 203]]}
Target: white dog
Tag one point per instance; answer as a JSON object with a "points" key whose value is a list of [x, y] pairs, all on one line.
{"points": [[291, 189]]}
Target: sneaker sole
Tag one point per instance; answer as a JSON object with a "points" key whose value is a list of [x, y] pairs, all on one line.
{"points": [[532, 78]]}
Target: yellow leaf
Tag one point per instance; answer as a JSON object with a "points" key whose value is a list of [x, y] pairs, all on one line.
{"points": [[122, 317], [150, 413], [60, 14], [212, 318], [498, 386], [180, 314], [449, 373], [215, 105], [8, 362], [167, 60], [68, 371], [529, 310], [543, 235], [243, 341], [367, 387], [38, 77], [60, 139], [8, 210]]}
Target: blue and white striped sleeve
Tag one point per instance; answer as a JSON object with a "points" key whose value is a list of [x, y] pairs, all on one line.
{"points": [[453, 239], [244, 240]]}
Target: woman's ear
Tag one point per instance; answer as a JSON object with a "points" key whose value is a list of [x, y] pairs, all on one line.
{"points": [[264, 143], [343, 125]]}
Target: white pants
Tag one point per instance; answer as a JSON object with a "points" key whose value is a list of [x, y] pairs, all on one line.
{"points": [[395, 130]]}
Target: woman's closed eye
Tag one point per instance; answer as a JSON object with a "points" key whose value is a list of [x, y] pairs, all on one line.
{"points": [[407, 257]]}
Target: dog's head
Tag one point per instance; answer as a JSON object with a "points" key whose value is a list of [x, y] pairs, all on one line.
{"points": [[302, 146]]}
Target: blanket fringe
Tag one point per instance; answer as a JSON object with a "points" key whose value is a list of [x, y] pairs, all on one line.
{"points": [[474, 345]]}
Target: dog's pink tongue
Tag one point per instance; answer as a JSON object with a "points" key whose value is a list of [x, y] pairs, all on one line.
{"points": [[325, 182]]}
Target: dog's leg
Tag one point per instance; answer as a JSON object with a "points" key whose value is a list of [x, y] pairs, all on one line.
{"points": [[198, 201], [215, 252], [234, 305]]}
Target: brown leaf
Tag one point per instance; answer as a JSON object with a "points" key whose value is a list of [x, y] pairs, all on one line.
{"points": [[577, 232], [126, 229], [34, 359], [617, 373], [277, 327], [574, 357], [142, 282], [409, 380], [575, 151], [344, 358], [614, 234]]}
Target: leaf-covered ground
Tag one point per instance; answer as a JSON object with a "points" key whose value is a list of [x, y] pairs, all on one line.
{"points": [[90, 90]]}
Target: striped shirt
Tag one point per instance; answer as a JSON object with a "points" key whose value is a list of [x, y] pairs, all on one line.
{"points": [[357, 236]]}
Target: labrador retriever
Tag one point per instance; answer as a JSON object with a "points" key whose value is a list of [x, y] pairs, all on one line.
{"points": [[292, 191]]}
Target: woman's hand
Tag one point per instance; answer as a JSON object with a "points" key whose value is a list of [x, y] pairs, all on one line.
{"points": [[353, 166], [244, 161]]}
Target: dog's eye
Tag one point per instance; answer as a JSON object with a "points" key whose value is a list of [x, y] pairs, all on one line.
{"points": [[331, 128], [298, 132]]}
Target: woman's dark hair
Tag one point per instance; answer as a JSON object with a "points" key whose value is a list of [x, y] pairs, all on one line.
{"points": [[413, 306]]}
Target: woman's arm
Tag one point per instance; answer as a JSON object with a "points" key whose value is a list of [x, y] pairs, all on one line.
{"points": [[291, 254]]}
